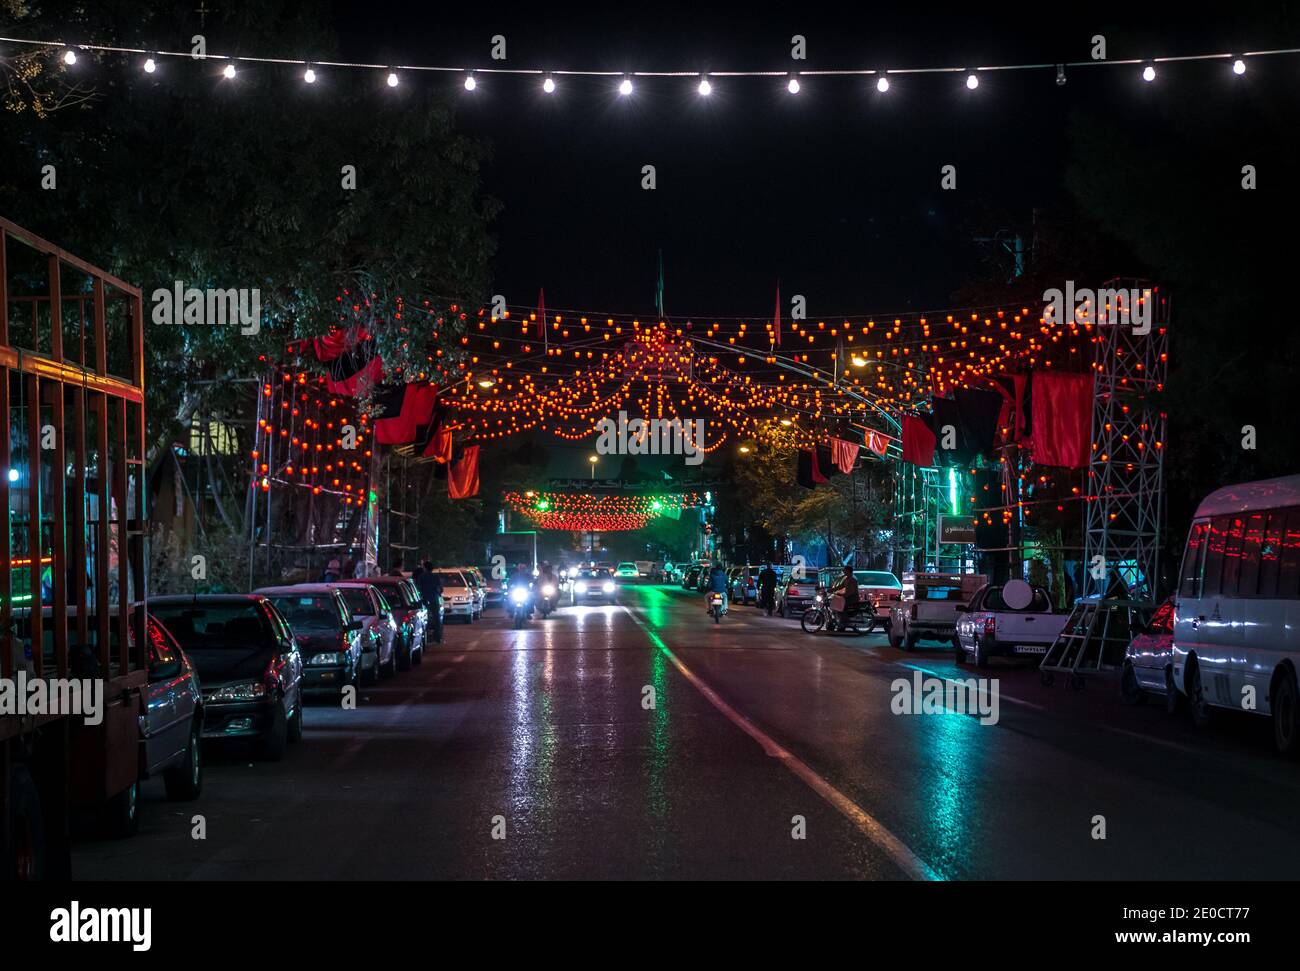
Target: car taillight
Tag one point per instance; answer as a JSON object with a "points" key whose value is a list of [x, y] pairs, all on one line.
{"points": [[990, 626], [793, 592]]}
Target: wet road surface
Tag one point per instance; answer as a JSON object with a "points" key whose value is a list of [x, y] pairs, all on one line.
{"points": [[643, 741]]}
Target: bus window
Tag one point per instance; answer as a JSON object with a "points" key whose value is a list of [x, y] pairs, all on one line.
{"points": [[1252, 540], [1232, 555], [1214, 557], [1193, 561], [1288, 576], [1270, 553]]}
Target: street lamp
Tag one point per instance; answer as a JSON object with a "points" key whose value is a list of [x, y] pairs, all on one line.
{"points": [[592, 459]]}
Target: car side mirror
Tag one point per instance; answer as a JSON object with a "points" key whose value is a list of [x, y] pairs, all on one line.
{"points": [[165, 671]]}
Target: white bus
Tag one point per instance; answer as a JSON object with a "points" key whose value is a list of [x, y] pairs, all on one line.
{"points": [[1236, 640]]}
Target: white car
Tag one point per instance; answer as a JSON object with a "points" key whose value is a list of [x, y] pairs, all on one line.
{"points": [[627, 570], [459, 598], [1008, 620], [378, 627], [477, 586]]}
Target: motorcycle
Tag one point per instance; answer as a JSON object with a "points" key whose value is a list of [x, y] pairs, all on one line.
{"points": [[826, 610], [549, 601], [520, 605], [717, 607]]}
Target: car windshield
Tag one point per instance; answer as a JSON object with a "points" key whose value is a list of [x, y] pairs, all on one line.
{"points": [[396, 593], [309, 612], [596, 574], [450, 578], [358, 601], [871, 578], [234, 626]]}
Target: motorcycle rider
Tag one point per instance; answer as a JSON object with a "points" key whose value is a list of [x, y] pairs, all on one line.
{"points": [[718, 584], [547, 576], [522, 577], [848, 585], [767, 588]]}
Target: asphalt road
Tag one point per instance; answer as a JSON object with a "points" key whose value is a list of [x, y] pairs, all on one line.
{"points": [[643, 741]]}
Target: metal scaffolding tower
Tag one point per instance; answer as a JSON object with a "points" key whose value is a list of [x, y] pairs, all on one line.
{"points": [[1125, 485]]}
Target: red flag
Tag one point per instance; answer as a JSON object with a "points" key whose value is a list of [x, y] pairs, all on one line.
{"points": [[918, 441], [1062, 419], [877, 442], [439, 447], [844, 454], [776, 324], [462, 477], [406, 408]]}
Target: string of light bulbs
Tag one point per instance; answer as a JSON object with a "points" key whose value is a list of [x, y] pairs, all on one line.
{"points": [[67, 52]]}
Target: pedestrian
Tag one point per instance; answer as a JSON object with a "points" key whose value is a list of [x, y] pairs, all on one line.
{"points": [[396, 571], [430, 586], [767, 588], [331, 574]]}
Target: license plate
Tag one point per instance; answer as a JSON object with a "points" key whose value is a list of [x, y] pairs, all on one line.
{"points": [[1031, 649]]}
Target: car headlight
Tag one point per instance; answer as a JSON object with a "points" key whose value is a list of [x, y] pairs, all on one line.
{"points": [[609, 586], [580, 586], [519, 595], [548, 591], [252, 691], [326, 659]]}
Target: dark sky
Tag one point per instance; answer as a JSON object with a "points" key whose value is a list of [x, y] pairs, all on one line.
{"points": [[835, 190]]}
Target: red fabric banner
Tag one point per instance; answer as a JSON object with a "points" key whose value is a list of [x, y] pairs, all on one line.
{"points": [[844, 454], [878, 443], [1062, 419], [404, 412], [462, 477], [918, 441]]}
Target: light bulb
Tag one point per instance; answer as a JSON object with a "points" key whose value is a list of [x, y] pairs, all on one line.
{"points": [[706, 88], [548, 86], [972, 81], [392, 79], [309, 76], [150, 66], [1239, 66], [882, 85], [1148, 73], [625, 87], [69, 57], [228, 71], [793, 86], [470, 83]]}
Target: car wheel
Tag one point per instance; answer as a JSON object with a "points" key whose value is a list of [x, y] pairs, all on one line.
{"points": [[894, 640], [122, 812], [417, 657], [270, 747], [404, 659], [1129, 688], [1285, 702], [25, 852], [184, 781], [293, 727], [1173, 700], [1196, 703], [909, 641]]}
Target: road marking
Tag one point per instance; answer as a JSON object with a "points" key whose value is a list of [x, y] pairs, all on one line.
{"points": [[877, 832], [1002, 696]]}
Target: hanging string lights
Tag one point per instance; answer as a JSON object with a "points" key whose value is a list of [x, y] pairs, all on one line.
{"points": [[623, 82]]}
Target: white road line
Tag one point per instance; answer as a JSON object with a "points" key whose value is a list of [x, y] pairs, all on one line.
{"points": [[877, 832]]}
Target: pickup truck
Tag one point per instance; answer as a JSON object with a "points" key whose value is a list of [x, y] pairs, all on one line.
{"points": [[928, 610], [1007, 620]]}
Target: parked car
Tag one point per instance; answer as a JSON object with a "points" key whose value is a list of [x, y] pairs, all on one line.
{"points": [[410, 615], [691, 578], [494, 590], [882, 589], [477, 588], [1013, 619], [1149, 660], [248, 665], [458, 597], [794, 596], [627, 570], [328, 639], [370, 608], [594, 584], [928, 610], [1236, 642]]}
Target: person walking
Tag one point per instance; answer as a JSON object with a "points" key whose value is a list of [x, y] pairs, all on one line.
{"points": [[767, 588], [430, 586]]}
